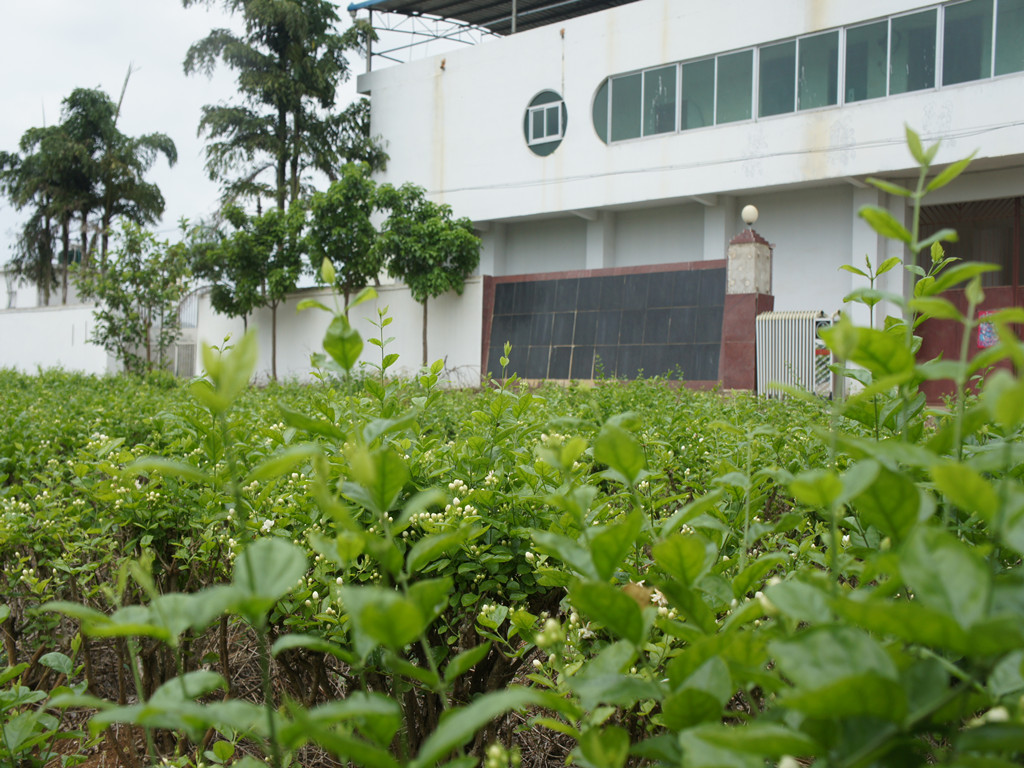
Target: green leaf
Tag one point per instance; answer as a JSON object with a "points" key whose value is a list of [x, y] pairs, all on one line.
{"points": [[311, 643], [309, 304], [281, 463], [884, 223], [690, 511], [881, 352], [863, 695], [458, 726], [58, 662], [854, 270], [378, 476], [817, 488], [427, 549], [914, 144], [327, 273], [949, 173], [5, 612], [769, 740], [685, 557], [824, 655], [610, 544], [565, 549], [933, 306], [800, 600], [945, 574], [754, 573], [366, 294], [890, 503], [621, 451], [343, 343], [967, 489], [465, 661], [169, 468], [890, 263], [605, 747], [265, 571], [611, 607], [957, 274], [888, 187], [909, 621]]}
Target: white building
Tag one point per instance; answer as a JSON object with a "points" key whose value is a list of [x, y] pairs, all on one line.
{"points": [[615, 138]]}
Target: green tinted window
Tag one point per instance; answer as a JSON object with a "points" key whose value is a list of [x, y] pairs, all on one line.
{"points": [[626, 112], [818, 71], [867, 53], [776, 92], [698, 105], [967, 42], [735, 86], [600, 112], [660, 100], [912, 61], [1010, 36]]}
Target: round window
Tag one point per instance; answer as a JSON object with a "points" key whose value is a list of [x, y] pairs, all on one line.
{"points": [[544, 123]]}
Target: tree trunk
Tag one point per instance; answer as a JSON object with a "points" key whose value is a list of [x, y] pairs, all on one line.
{"points": [[424, 332], [65, 245], [85, 239], [273, 340], [282, 157]]}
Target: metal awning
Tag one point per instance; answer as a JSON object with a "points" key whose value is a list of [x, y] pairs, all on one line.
{"points": [[501, 17]]}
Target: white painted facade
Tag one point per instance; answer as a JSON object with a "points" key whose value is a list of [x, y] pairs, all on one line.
{"points": [[453, 123]]}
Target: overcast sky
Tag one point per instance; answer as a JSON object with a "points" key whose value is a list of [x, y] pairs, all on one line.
{"points": [[51, 47]]}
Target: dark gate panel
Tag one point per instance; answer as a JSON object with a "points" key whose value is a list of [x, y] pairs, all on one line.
{"points": [[610, 323]]}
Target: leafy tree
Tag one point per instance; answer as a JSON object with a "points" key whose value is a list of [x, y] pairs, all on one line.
{"points": [[289, 62], [256, 265], [340, 229], [72, 170], [138, 288], [423, 246]]}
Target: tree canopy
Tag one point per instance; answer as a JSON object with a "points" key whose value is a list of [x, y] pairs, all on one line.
{"points": [[290, 62], [67, 173]]}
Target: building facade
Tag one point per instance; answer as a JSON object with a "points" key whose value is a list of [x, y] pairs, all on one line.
{"points": [[632, 137]]}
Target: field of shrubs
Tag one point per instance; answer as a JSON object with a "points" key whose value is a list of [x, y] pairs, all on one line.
{"points": [[373, 572]]}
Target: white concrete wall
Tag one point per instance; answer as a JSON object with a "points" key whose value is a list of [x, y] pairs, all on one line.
{"points": [[457, 130], [50, 337], [544, 245], [662, 235], [454, 328]]}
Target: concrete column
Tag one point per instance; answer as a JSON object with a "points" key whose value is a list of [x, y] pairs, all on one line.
{"points": [[748, 293], [492, 248], [601, 241], [719, 224], [864, 241]]}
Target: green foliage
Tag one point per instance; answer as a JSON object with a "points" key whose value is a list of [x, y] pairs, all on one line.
{"points": [[290, 62], [137, 290], [648, 575]]}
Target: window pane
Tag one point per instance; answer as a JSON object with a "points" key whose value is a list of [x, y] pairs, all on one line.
{"points": [[660, 100], [777, 84], [626, 107], [735, 86], [600, 112], [698, 107], [912, 63], [818, 81], [554, 119], [1010, 36], [967, 42], [537, 116], [867, 51]]}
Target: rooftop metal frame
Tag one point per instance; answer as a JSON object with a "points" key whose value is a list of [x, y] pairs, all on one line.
{"points": [[466, 21]]}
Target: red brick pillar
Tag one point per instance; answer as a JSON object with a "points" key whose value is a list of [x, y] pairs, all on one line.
{"points": [[748, 292]]}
